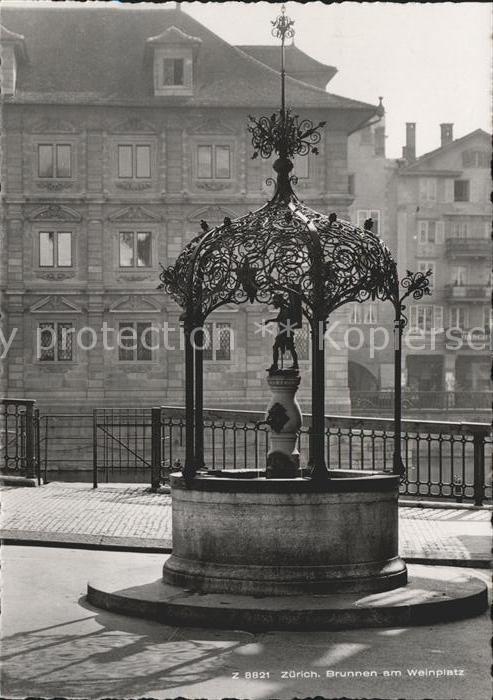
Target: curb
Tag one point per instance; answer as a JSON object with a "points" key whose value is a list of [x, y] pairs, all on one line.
{"points": [[76, 541], [448, 561], [154, 546], [18, 481], [443, 505]]}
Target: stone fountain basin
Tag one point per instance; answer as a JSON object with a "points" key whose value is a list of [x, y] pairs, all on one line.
{"points": [[281, 537]]}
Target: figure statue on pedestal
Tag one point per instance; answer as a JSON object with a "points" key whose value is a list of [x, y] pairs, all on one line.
{"points": [[288, 320]]}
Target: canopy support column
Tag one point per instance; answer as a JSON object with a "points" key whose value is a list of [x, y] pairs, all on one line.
{"points": [[189, 468], [199, 397], [398, 467], [317, 434]]}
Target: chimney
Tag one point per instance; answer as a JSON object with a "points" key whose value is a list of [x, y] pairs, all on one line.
{"points": [[446, 133], [409, 150]]}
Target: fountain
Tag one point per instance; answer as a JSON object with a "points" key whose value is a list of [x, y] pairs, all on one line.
{"points": [[286, 549]]}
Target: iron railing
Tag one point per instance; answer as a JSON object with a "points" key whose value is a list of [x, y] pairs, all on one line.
{"points": [[65, 445], [469, 247], [442, 459], [122, 444], [19, 438], [443, 400]]}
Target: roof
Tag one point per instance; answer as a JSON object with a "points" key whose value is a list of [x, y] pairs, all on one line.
{"points": [[103, 49], [17, 40], [297, 63], [421, 163]]}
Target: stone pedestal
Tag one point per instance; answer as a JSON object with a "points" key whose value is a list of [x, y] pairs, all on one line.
{"points": [[283, 415], [260, 554], [284, 537]]}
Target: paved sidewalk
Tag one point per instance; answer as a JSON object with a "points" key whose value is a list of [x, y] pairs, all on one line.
{"points": [[56, 645], [131, 517]]}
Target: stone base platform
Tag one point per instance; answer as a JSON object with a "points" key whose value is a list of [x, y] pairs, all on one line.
{"points": [[433, 594]]}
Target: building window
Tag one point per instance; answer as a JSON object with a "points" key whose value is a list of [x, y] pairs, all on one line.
{"points": [[425, 318], [459, 276], [459, 229], [487, 318], [355, 314], [173, 71], [366, 313], [135, 249], [218, 340], [301, 167], [214, 162], [303, 342], [351, 184], [369, 313], [134, 161], [55, 341], [373, 214], [55, 249], [431, 232], [458, 317], [427, 189], [424, 266], [135, 341], [54, 160], [461, 190], [476, 159]]}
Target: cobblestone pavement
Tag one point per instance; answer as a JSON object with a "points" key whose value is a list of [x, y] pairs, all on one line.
{"points": [[130, 515]]}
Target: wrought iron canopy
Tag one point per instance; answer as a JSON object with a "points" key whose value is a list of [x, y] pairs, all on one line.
{"points": [[285, 247]]}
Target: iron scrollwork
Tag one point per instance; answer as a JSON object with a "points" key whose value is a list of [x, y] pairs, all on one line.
{"points": [[284, 133]]}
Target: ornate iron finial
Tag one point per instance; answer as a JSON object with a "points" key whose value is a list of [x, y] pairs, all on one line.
{"points": [[282, 26], [283, 133]]}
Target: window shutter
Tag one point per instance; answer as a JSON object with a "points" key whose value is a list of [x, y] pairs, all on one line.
{"points": [[413, 316], [361, 217], [440, 232], [188, 72], [422, 231], [422, 189], [438, 317], [449, 190], [432, 189]]}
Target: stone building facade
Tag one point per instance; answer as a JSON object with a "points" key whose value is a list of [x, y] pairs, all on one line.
{"points": [[434, 212], [116, 146], [372, 184], [444, 223]]}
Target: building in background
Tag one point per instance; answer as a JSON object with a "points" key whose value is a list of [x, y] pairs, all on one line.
{"points": [[444, 224], [371, 181], [434, 212], [116, 146]]}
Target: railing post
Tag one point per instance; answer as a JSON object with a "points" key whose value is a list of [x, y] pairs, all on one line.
{"points": [[94, 448], [37, 455], [30, 441], [479, 465], [155, 448]]}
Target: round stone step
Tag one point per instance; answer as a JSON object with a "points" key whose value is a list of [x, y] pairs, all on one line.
{"points": [[433, 594]]}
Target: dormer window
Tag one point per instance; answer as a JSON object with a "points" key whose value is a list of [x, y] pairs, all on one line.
{"points": [[173, 58], [173, 71]]}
